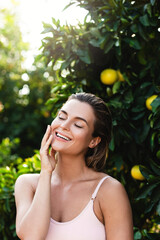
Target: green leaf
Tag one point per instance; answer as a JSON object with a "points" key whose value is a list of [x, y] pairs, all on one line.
{"points": [[152, 140], [146, 172], [137, 235], [55, 89], [116, 103], [155, 104], [113, 3], [147, 191], [144, 20], [138, 108], [142, 58], [133, 43], [155, 167], [124, 21], [149, 207], [118, 162], [152, 2], [128, 97], [145, 84], [155, 195], [95, 32], [158, 208], [138, 116], [65, 64], [108, 46], [84, 55], [116, 87], [148, 8], [51, 101], [144, 132], [112, 145], [94, 43], [134, 28], [142, 33]]}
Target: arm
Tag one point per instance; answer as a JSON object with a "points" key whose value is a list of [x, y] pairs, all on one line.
{"points": [[33, 210], [33, 206], [116, 211]]}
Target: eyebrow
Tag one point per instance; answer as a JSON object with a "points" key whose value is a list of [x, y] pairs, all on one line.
{"points": [[80, 118]]}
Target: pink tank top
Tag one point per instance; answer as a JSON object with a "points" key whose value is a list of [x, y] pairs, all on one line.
{"points": [[84, 227]]}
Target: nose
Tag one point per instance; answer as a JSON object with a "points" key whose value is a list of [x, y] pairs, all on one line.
{"points": [[65, 124]]}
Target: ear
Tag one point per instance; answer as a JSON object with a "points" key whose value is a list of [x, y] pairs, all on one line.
{"points": [[94, 142]]}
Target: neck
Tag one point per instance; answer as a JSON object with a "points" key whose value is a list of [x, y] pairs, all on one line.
{"points": [[70, 168]]}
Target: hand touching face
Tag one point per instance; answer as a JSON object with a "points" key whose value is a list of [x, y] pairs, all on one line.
{"points": [[47, 157]]}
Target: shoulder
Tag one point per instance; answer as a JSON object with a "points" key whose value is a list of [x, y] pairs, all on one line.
{"points": [[111, 190], [113, 201], [26, 181], [111, 184], [29, 177], [116, 210]]}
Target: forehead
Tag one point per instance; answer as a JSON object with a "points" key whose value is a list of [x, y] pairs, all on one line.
{"points": [[79, 109]]}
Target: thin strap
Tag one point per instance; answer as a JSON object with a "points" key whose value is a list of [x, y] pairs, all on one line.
{"points": [[98, 186]]}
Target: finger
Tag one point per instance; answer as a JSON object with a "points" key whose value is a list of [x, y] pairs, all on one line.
{"points": [[46, 136], [48, 142], [52, 153]]}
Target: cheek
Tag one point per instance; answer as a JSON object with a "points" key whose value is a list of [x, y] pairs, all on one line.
{"points": [[54, 123], [82, 134]]}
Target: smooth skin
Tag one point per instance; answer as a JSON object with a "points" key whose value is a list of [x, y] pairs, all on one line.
{"points": [[63, 188]]}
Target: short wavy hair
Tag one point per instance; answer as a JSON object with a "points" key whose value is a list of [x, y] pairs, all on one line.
{"points": [[96, 157]]}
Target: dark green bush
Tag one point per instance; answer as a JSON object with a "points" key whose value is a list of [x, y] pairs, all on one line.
{"points": [[8, 176]]}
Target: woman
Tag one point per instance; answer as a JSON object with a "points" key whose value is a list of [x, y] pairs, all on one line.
{"points": [[72, 198]]}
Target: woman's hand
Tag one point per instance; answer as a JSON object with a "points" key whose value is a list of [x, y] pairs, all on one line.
{"points": [[48, 161]]}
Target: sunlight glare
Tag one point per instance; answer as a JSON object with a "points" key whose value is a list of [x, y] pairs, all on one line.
{"points": [[31, 14]]}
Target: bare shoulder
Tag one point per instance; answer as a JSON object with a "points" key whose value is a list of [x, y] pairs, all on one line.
{"points": [[111, 190], [116, 210], [31, 178], [114, 201], [111, 185], [26, 182]]}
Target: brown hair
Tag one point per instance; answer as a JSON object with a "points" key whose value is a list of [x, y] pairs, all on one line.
{"points": [[96, 157]]}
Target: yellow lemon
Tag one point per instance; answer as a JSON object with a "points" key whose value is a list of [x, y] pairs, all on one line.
{"points": [[120, 76], [136, 174], [108, 76], [150, 100]]}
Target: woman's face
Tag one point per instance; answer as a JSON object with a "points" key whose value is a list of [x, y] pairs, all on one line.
{"points": [[73, 127]]}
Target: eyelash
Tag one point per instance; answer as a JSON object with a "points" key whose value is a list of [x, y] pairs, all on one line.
{"points": [[74, 124], [61, 118], [78, 126]]}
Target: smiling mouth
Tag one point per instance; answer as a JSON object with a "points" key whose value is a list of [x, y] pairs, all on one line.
{"points": [[63, 137]]}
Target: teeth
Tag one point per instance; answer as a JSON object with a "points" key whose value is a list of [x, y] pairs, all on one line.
{"points": [[61, 136]]}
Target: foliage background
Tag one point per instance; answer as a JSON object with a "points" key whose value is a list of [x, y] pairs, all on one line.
{"points": [[116, 34]]}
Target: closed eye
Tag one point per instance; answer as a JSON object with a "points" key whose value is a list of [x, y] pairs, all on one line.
{"points": [[61, 118], [78, 126]]}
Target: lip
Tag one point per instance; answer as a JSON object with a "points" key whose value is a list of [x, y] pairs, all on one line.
{"points": [[63, 135]]}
